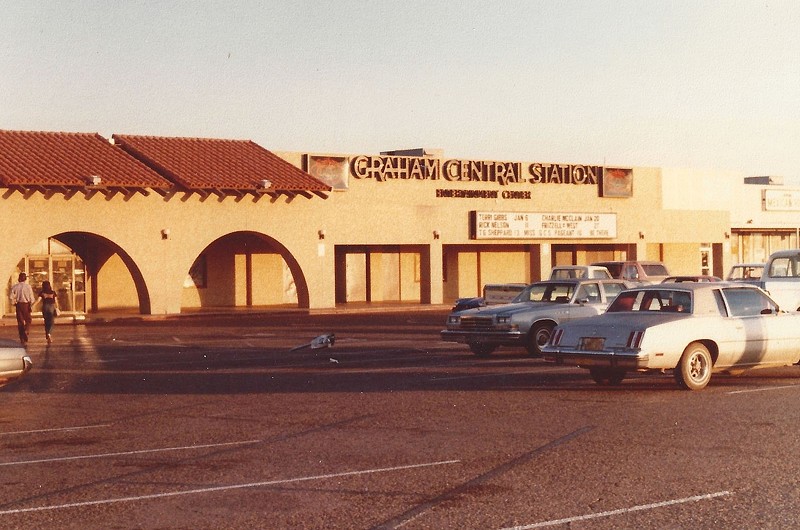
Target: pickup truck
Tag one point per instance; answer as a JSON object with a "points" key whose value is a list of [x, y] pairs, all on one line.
{"points": [[781, 278], [530, 318], [639, 272]]}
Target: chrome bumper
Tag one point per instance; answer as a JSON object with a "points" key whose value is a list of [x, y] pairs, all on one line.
{"points": [[512, 338], [628, 359]]}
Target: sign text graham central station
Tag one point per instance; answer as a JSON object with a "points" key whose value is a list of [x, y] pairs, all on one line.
{"points": [[383, 168]]}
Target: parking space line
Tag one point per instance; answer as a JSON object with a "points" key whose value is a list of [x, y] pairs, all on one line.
{"points": [[641, 507], [128, 453], [762, 389], [419, 510], [56, 429], [212, 489]]}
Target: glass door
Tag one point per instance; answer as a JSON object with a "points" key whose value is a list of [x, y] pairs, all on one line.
{"points": [[66, 273]]}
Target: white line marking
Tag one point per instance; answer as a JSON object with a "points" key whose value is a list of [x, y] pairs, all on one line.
{"points": [[56, 429], [126, 453], [224, 488], [762, 389], [620, 511]]}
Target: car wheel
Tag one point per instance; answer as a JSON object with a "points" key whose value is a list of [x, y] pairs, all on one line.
{"points": [[694, 369], [607, 376], [482, 350], [538, 337]]}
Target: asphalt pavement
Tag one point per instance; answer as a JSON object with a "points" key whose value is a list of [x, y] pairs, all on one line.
{"points": [[225, 421]]}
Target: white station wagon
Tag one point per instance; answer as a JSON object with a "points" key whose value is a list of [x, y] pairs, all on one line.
{"points": [[693, 329]]}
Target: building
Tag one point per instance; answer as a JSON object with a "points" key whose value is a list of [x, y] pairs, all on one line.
{"points": [[163, 225]]}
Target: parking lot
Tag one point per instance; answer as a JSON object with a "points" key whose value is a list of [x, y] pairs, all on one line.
{"points": [[224, 422]]}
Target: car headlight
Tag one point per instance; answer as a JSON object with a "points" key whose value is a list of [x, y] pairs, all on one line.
{"points": [[454, 319], [504, 319]]}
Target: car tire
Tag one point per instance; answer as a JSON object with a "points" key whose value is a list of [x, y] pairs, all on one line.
{"points": [[539, 336], [694, 369], [607, 376], [482, 350]]}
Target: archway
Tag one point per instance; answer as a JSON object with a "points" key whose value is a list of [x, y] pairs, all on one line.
{"points": [[244, 269], [113, 280]]}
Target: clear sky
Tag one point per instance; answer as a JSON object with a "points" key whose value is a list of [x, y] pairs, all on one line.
{"points": [[694, 84]]}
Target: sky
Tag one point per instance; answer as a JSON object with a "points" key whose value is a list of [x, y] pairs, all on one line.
{"points": [[689, 84]]}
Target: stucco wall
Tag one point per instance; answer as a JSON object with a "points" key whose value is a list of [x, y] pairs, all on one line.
{"points": [[392, 213]]}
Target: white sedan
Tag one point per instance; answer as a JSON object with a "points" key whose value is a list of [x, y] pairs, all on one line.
{"points": [[693, 329], [14, 361]]}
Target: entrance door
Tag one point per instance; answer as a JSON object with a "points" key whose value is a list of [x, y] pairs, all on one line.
{"points": [[65, 272]]}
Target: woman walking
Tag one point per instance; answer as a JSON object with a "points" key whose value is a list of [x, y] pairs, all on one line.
{"points": [[49, 308]]}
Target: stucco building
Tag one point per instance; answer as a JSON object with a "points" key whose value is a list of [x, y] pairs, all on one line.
{"points": [[162, 225]]}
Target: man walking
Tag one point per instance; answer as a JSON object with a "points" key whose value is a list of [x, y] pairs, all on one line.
{"points": [[22, 298]]}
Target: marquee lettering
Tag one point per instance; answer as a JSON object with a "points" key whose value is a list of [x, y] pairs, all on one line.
{"points": [[564, 174], [383, 168]]}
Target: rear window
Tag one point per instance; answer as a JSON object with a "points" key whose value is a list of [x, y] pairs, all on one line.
{"points": [[745, 272], [788, 267], [653, 300]]}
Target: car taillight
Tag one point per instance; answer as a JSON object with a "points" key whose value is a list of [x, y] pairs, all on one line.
{"points": [[556, 339], [634, 339]]}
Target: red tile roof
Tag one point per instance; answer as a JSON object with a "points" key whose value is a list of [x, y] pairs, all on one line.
{"points": [[31, 159], [216, 164]]}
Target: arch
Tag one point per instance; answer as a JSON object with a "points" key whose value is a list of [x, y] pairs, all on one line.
{"points": [[234, 270], [95, 251]]}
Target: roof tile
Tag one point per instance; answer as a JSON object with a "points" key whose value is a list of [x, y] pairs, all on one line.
{"points": [[217, 164], [30, 158]]}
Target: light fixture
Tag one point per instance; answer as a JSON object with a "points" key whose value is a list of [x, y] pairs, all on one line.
{"points": [[641, 235], [727, 235], [165, 233], [436, 234], [321, 234]]}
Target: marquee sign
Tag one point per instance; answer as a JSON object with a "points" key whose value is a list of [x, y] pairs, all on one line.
{"points": [[524, 225], [384, 168], [781, 200]]}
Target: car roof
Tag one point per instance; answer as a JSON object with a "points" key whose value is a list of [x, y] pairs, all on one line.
{"points": [[692, 286], [784, 253], [644, 262], [577, 281]]}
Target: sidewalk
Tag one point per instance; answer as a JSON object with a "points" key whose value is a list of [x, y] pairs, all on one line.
{"points": [[133, 315]]}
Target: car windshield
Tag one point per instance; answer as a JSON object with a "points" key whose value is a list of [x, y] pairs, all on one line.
{"points": [[547, 292], [654, 269], [653, 300]]}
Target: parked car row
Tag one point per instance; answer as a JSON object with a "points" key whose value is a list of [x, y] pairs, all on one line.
{"points": [[691, 325]]}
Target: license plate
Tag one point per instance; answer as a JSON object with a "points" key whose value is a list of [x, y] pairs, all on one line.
{"points": [[592, 343]]}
